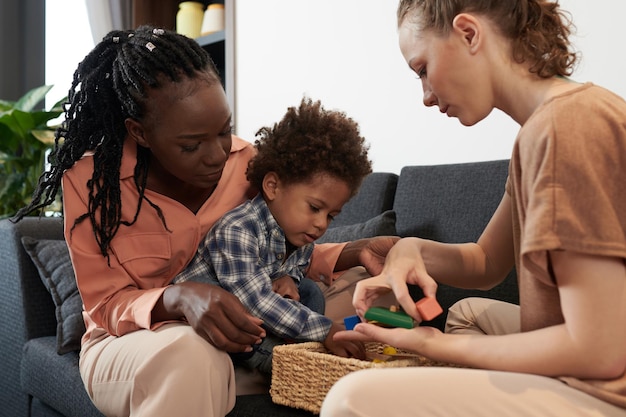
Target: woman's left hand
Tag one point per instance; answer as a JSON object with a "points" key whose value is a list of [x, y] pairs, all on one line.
{"points": [[370, 253], [411, 340]]}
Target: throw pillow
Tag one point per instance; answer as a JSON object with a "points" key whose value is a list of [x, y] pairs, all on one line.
{"points": [[52, 259], [382, 225]]}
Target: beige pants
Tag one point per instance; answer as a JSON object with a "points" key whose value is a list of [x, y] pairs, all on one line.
{"points": [[174, 372], [170, 371], [449, 392]]}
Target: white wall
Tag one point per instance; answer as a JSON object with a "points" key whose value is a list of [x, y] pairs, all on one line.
{"points": [[68, 40], [345, 53]]}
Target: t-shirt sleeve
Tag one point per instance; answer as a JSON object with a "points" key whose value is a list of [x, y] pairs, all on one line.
{"points": [[570, 185]]}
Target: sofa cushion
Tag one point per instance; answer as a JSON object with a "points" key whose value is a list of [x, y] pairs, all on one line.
{"points": [[52, 259], [449, 203], [382, 225], [374, 197]]}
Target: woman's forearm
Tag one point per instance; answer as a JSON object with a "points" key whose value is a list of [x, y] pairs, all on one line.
{"points": [[550, 351], [461, 265]]}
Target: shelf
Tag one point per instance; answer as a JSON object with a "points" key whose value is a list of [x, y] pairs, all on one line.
{"points": [[215, 45], [212, 38]]}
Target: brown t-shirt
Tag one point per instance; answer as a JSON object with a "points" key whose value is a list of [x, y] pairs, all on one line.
{"points": [[567, 186]]}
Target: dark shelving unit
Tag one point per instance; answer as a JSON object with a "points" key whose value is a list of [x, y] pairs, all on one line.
{"points": [[221, 46], [215, 45]]}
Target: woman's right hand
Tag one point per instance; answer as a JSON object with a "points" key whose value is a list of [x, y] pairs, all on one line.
{"points": [[403, 265], [214, 313]]}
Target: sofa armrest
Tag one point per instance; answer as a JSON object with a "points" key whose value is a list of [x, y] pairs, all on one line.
{"points": [[28, 296], [26, 307]]}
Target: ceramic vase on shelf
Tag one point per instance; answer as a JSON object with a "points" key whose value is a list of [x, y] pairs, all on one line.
{"points": [[213, 19], [189, 18]]}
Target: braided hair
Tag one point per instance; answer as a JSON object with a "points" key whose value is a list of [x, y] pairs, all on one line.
{"points": [[109, 86]]}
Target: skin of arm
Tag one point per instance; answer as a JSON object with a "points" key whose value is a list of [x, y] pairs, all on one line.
{"points": [[591, 288], [213, 312], [370, 253]]}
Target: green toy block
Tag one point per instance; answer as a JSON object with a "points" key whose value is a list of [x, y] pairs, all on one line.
{"points": [[389, 318]]}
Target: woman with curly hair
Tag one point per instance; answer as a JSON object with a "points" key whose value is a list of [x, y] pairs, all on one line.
{"points": [[307, 167], [561, 223]]}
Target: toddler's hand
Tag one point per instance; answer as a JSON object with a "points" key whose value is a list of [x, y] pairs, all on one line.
{"points": [[344, 348], [286, 287]]}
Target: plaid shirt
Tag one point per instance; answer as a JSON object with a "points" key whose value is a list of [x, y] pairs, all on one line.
{"points": [[243, 253]]}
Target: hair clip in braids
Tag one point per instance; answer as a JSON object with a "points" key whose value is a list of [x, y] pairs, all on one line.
{"points": [[150, 46], [130, 35], [157, 31], [116, 39]]}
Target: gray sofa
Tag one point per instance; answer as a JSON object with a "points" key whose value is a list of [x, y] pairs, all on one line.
{"points": [[450, 203]]}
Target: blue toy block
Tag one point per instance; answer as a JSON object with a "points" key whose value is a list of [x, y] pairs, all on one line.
{"points": [[351, 321]]}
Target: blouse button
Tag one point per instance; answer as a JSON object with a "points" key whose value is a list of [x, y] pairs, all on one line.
{"points": [[279, 256]]}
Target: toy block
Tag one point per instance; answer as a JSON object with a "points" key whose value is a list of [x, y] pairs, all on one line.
{"points": [[385, 317], [351, 321], [429, 308]]}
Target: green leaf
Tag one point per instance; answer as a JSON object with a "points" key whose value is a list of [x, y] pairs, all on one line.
{"points": [[58, 106], [7, 138], [6, 105], [44, 136], [11, 134], [29, 100], [23, 122], [24, 139], [41, 118]]}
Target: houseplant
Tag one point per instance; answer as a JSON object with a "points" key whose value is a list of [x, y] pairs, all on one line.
{"points": [[25, 137]]}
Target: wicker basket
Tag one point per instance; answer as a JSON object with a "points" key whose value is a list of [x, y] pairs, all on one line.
{"points": [[302, 373]]}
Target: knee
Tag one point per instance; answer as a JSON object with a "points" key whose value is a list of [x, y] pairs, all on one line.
{"points": [[312, 296], [184, 376], [345, 398], [461, 315], [190, 359], [463, 306], [475, 315]]}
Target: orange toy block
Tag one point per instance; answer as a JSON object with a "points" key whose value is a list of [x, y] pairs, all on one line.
{"points": [[429, 308]]}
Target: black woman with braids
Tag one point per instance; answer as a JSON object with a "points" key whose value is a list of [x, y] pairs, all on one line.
{"points": [[148, 163]]}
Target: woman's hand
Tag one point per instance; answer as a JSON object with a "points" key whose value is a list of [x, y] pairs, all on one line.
{"points": [[214, 313], [410, 340], [345, 348], [369, 253], [375, 251], [403, 265]]}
